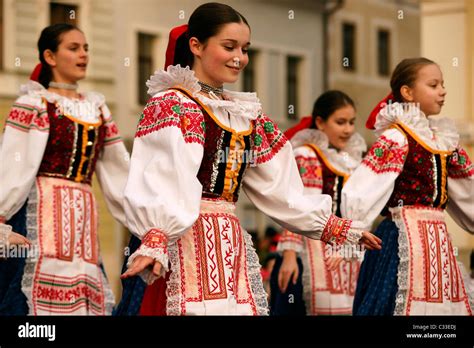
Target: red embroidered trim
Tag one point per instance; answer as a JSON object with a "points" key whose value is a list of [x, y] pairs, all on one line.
{"points": [[169, 111], [460, 165], [310, 171], [112, 134], [268, 139], [3, 219], [25, 117], [288, 236], [155, 239], [386, 156], [335, 231]]}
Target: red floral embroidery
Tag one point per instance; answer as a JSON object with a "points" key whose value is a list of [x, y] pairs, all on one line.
{"points": [[267, 139], [335, 231], [459, 165], [169, 111], [24, 117], [310, 171], [155, 239], [386, 156], [112, 134]]}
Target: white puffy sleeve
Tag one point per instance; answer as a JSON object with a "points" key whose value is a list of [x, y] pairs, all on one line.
{"points": [[461, 190], [370, 186], [163, 194], [112, 167], [274, 185], [310, 170], [21, 151]]}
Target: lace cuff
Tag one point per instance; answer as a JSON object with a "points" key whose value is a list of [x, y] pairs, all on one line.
{"points": [[338, 231], [5, 231], [154, 245]]}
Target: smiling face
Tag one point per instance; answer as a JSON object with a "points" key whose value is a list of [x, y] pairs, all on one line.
{"points": [[69, 63], [221, 59], [339, 126], [428, 90]]}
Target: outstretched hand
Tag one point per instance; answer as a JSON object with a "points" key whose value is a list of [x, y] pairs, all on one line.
{"points": [[370, 241], [139, 264]]}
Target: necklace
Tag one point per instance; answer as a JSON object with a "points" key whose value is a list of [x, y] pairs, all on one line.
{"points": [[207, 89], [61, 85]]}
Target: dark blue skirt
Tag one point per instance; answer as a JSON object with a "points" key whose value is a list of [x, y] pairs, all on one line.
{"points": [[291, 302], [377, 285], [12, 300], [133, 288]]}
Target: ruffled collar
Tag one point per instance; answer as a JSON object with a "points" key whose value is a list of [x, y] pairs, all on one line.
{"points": [[439, 133], [87, 108], [243, 104], [345, 160]]}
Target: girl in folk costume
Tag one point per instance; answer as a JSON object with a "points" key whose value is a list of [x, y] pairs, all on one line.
{"points": [[413, 172], [195, 146], [326, 154], [55, 139]]}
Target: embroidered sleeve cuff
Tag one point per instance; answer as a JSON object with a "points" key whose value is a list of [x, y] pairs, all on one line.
{"points": [[337, 231], [154, 245], [5, 231], [290, 241]]}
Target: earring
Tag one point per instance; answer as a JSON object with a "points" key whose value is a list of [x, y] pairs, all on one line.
{"points": [[236, 62]]}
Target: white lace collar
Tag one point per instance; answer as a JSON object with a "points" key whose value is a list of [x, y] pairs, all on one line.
{"points": [[242, 104], [439, 133], [88, 108], [345, 160]]}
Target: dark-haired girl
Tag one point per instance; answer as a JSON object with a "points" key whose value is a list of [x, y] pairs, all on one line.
{"points": [[326, 154], [55, 139], [196, 145], [413, 173]]}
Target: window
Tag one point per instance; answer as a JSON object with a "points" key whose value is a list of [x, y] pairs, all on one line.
{"points": [[383, 52], [249, 73], [292, 63], [348, 46], [145, 64], [62, 13]]}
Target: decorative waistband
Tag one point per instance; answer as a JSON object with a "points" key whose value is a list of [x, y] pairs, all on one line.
{"points": [[209, 205], [84, 180]]}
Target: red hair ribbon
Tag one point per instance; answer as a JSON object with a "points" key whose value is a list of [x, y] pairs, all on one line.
{"points": [[36, 72], [175, 33], [370, 124], [304, 123]]}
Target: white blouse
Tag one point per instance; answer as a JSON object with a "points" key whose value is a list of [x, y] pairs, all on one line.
{"points": [[369, 188], [25, 139], [163, 193]]}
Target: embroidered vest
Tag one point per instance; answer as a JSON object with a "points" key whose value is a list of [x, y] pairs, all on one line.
{"points": [[424, 178], [227, 154], [333, 180], [73, 147]]}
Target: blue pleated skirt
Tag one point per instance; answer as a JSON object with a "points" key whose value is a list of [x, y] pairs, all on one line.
{"points": [[377, 285]]}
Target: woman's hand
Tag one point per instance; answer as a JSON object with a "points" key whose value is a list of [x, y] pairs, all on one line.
{"points": [[370, 241], [139, 264], [289, 267], [17, 239], [333, 262]]}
